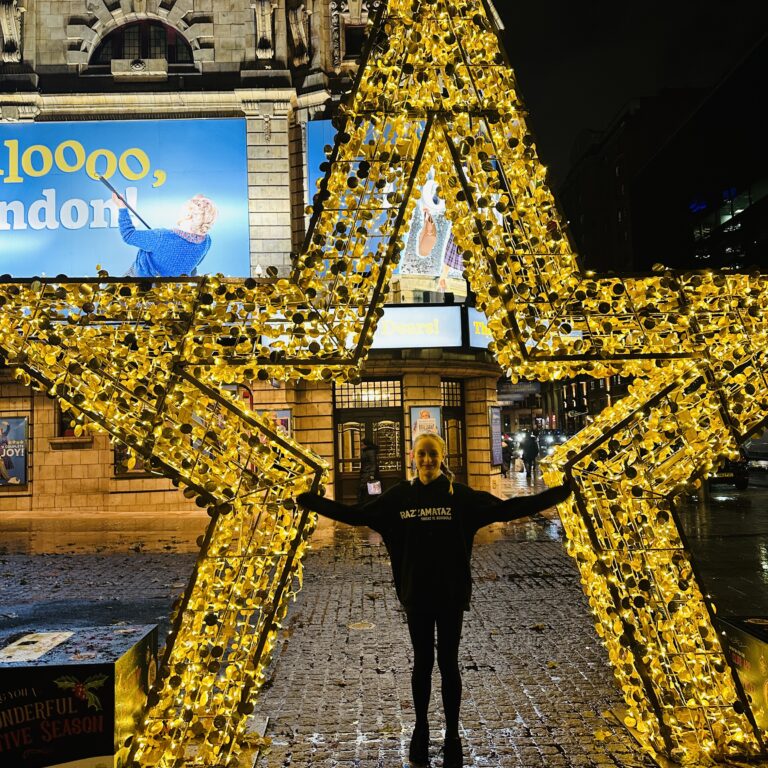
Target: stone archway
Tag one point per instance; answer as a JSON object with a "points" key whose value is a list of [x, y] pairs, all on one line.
{"points": [[85, 33]]}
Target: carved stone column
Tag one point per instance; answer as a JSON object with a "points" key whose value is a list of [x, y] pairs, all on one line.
{"points": [[10, 31], [298, 26], [264, 13]]}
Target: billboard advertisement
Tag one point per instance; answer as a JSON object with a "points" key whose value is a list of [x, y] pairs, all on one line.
{"points": [[184, 190], [13, 450], [430, 250]]}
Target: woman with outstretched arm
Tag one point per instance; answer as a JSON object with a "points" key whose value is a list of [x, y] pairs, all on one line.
{"points": [[428, 526]]}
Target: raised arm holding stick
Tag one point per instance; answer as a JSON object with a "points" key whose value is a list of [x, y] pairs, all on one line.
{"points": [[168, 252]]}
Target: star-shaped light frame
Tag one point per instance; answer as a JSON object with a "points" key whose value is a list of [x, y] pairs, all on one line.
{"points": [[149, 361]]}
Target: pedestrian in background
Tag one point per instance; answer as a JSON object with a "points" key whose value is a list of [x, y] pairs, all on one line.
{"points": [[530, 451], [370, 482], [507, 458], [428, 526]]}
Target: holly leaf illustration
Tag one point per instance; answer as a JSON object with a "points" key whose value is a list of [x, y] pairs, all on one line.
{"points": [[95, 681], [93, 701], [66, 682]]}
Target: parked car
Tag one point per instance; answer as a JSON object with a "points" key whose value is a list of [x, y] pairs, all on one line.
{"points": [[734, 473]]}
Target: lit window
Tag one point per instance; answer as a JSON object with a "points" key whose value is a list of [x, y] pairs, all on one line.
{"points": [[143, 40]]}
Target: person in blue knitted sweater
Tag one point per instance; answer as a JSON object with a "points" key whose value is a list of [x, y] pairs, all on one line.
{"points": [[169, 252]]}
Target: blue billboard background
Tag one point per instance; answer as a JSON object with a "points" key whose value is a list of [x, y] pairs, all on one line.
{"points": [[56, 217]]}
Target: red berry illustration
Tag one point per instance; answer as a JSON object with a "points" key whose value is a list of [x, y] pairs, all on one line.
{"points": [[79, 691]]}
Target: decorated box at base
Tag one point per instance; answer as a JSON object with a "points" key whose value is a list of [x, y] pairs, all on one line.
{"points": [[73, 698], [746, 639]]}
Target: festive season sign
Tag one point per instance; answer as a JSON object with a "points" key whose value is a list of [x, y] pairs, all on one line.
{"points": [[74, 698], [148, 362]]}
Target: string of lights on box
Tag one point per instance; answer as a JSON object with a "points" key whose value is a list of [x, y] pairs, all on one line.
{"points": [[149, 362]]}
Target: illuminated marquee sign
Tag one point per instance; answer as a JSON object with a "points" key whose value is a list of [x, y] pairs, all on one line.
{"points": [[480, 335], [418, 327]]}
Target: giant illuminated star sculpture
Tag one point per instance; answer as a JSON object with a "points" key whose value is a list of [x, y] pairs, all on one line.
{"points": [[147, 361]]}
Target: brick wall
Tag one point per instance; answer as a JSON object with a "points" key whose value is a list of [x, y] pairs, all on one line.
{"points": [[479, 394], [74, 498]]}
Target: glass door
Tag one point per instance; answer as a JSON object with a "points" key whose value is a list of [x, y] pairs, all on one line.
{"points": [[385, 430]]}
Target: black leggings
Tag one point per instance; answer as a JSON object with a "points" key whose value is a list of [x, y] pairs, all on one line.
{"points": [[421, 625]]}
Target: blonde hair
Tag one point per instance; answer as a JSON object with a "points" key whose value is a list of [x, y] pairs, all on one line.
{"points": [[203, 210], [444, 468]]}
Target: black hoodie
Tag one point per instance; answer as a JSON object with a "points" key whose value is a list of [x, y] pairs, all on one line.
{"points": [[429, 532]]}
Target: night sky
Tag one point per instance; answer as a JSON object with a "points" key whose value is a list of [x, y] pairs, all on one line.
{"points": [[578, 63]]}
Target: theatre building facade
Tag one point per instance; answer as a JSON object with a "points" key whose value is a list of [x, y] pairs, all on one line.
{"points": [[164, 100]]}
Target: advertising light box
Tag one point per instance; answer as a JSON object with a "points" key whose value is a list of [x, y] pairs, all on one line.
{"points": [[187, 179], [418, 327], [14, 444]]}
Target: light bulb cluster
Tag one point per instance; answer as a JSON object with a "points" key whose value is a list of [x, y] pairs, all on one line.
{"points": [[148, 361], [623, 532]]}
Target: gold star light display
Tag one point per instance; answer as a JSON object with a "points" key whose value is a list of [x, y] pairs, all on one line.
{"points": [[149, 360]]}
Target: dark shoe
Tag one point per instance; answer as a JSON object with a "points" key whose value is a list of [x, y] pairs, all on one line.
{"points": [[452, 753], [418, 752]]}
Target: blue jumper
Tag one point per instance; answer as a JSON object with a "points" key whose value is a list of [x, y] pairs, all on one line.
{"points": [[163, 252]]}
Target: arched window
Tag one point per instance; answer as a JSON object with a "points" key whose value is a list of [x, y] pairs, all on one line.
{"points": [[143, 40]]}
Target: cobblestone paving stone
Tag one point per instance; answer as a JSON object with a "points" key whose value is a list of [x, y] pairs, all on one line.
{"points": [[42, 592], [536, 679]]}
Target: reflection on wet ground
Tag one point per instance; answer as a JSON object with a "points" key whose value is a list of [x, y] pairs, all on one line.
{"points": [[727, 534], [728, 537]]}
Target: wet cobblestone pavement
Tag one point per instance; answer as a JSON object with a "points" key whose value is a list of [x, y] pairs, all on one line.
{"points": [[536, 681], [538, 691]]}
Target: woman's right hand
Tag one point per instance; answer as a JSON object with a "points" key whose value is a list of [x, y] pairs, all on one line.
{"points": [[117, 200]]}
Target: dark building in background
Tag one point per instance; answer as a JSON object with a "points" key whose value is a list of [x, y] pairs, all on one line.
{"points": [[702, 200], [679, 179], [597, 194]]}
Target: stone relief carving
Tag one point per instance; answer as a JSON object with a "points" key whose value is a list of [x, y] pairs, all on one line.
{"points": [[265, 28], [106, 15], [299, 25], [104, 9], [10, 31], [355, 11], [93, 6]]}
